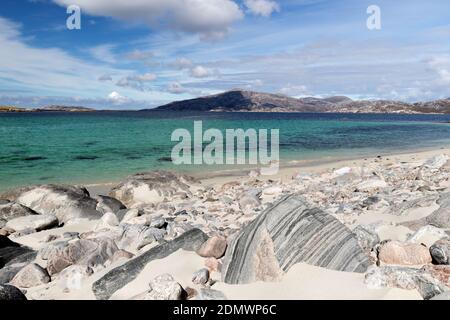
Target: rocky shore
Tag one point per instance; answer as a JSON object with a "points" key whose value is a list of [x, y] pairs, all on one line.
{"points": [[373, 229]]}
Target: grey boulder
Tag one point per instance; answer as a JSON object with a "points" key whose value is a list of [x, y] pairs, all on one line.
{"points": [[11, 293], [30, 276], [65, 202], [440, 251], [287, 233]]}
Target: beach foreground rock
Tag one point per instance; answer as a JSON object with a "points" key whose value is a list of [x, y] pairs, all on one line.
{"points": [[118, 277], [287, 233], [11, 293], [65, 202], [151, 187]]}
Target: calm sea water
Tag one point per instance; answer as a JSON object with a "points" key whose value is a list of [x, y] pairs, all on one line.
{"points": [[40, 148]]}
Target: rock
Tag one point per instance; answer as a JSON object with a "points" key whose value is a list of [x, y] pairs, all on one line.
{"points": [[158, 223], [404, 278], [65, 202], [440, 251], [72, 277], [287, 233], [31, 276], [441, 273], [151, 187], [371, 185], [138, 236], [11, 293], [91, 253], [436, 162], [107, 221], [249, 202], [439, 218], [11, 252], [201, 277], [395, 252], [367, 238], [210, 294], [174, 229], [213, 264], [342, 171], [12, 210], [50, 249], [108, 204], [273, 191], [427, 232], [214, 247], [122, 275], [35, 222], [164, 287], [129, 214]]}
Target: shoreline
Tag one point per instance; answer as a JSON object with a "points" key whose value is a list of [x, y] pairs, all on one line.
{"points": [[294, 166]]}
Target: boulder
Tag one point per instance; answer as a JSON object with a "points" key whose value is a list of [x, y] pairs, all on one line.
{"points": [[370, 185], [108, 204], [440, 272], [367, 238], [201, 277], [213, 264], [10, 210], [35, 222], [136, 237], [118, 277], [395, 252], [151, 187], [31, 276], [440, 251], [404, 278], [11, 293], [287, 233], [436, 162], [11, 252], [210, 294], [65, 202], [90, 253], [214, 247], [164, 287], [108, 220]]}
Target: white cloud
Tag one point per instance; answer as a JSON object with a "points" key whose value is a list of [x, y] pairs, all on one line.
{"points": [[200, 72], [117, 98], [441, 65], [136, 81], [103, 53], [182, 63], [294, 90], [105, 77], [176, 88], [262, 7], [140, 55], [205, 17]]}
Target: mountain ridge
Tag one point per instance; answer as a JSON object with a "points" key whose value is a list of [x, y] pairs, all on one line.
{"points": [[251, 101]]}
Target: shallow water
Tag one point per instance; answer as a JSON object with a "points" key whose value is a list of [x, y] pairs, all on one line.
{"points": [[107, 146]]}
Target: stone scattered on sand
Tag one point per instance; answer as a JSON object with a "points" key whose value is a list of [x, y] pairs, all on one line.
{"points": [[404, 278], [91, 253], [108, 204], [12, 252], [367, 238], [440, 251], [201, 277], [210, 294], [214, 247], [371, 185], [31, 276], [436, 162], [164, 287], [395, 252], [65, 202], [35, 222], [151, 187], [11, 293], [11, 210], [108, 220], [73, 276], [287, 233], [122, 275], [213, 264]]}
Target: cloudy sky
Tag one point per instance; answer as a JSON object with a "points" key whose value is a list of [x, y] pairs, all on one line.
{"points": [[143, 53]]}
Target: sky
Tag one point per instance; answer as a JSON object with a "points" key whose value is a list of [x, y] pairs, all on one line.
{"points": [[144, 53]]}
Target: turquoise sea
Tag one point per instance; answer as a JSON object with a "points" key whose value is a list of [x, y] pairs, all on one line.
{"points": [[99, 147]]}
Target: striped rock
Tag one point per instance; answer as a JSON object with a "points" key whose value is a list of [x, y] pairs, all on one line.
{"points": [[287, 233]]}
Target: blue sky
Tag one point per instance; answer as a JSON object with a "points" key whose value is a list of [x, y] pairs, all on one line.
{"points": [[144, 53]]}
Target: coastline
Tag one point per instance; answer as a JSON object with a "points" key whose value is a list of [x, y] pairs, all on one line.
{"points": [[291, 167]]}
